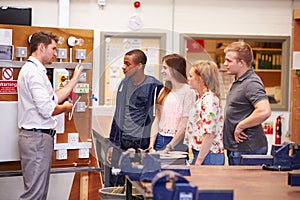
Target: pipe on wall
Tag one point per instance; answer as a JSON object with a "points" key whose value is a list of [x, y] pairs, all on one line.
{"points": [[64, 13]]}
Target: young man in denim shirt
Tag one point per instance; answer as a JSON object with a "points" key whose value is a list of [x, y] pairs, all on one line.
{"points": [[134, 111]]}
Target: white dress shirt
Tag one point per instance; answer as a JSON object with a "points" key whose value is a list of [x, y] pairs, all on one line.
{"points": [[36, 97]]}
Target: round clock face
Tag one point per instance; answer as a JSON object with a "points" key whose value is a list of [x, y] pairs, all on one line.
{"points": [[135, 22]]}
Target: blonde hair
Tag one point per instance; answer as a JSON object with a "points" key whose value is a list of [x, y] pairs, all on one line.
{"points": [[209, 72]]}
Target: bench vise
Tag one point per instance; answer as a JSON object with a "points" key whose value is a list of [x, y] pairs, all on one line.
{"points": [[294, 178], [143, 166], [169, 185], [283, 157]]}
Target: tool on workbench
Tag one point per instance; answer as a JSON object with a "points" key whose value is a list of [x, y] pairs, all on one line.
{"points": [[142, 166], [169, 185], [283, 157], [294, 178], [139, 166]]}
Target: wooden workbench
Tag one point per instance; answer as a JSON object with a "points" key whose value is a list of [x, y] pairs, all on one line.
{"points": [[247, 182]]}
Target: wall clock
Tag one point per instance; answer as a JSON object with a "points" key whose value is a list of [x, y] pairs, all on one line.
{"points": [[135, 22]]}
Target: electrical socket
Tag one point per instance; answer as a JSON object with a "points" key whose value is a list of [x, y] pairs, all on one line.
{"points": [[21, 52], [80, 107], [61, 154], [82, 77], [84, 153], [73, 138], [61, 53], [80, 54]]}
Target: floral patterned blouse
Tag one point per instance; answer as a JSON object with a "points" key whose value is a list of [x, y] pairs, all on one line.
{"points": [[206, 117]]}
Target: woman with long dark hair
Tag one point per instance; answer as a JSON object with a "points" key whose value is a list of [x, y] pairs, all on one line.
{"points": [[172, 106]]}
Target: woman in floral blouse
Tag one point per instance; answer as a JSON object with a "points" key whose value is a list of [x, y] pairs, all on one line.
{"points": [[204, 128]]}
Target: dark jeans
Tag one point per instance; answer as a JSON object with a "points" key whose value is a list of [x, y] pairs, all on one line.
{"points": [[162, 141], [210, 159], [234, 157]]}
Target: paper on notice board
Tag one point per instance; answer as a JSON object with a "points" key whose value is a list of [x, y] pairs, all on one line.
{"points": [[296, 60], [6, 36]]}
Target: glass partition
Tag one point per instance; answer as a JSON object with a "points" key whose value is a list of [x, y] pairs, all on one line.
{"points": [[271, 61], [113, 48]]}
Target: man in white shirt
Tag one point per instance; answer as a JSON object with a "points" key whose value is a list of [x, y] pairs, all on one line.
{"points": [[38, 104]]}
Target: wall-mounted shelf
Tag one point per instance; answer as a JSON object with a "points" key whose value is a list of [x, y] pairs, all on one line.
{"points": [[64, 65], [267, 49], [268, 70]]}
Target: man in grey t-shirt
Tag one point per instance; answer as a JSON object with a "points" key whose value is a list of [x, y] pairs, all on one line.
{"points": [[247, 106]]}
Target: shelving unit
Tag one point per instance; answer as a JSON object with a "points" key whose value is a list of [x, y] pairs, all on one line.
{"points": [[267, 64], [267, 58], [264, 58]]}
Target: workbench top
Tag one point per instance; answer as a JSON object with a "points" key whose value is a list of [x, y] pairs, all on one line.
{"points": [[247, 182]]}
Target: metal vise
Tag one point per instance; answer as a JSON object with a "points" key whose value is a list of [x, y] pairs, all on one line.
{"points": [[139, 166], [179, 188], [294, 178], [280, 159], [143, 166]]}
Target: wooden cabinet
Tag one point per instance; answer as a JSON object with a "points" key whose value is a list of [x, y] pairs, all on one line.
{"points": [[295, 84]]}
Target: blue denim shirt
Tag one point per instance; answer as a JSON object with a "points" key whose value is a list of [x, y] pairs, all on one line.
{"points": [[143, 100]]}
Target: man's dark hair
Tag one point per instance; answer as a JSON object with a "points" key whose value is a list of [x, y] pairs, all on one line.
{"points": [[138, 56], [41, 37]]}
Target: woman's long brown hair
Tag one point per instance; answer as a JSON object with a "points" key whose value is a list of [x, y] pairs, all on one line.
{"points": [[177, 64]]}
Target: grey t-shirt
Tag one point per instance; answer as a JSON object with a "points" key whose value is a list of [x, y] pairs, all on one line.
{"points": [[137, 99], [241, 98], [129, 123]]}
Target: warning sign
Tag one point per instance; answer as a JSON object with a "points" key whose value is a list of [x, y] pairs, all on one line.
{"points": [[8, 87], [7, 74]]}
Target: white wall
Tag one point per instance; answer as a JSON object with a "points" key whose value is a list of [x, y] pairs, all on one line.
{"points": [[238, 17], [44, 12], [255, 17]]}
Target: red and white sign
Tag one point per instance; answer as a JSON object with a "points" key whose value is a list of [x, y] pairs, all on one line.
{"points": [[8, 87], [7, 74], [195, 45]]}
